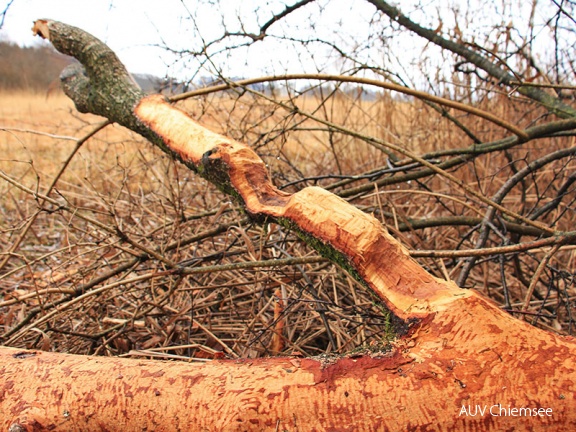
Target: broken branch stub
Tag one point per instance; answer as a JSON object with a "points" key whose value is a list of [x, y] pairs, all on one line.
{"points": [[455, 350]]}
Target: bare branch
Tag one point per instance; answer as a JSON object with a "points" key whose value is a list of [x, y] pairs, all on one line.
{"points": [[553, 104], [275, 18], [4, 12]]}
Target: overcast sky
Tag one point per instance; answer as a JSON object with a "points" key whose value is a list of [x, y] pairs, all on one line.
{"points": [[132, 28], [129, 27], [138, 29]]}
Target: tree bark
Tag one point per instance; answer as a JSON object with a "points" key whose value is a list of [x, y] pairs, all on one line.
{"points": [[456, 354]]}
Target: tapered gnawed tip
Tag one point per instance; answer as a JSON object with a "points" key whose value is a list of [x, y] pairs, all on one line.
{"points": [[40, 28]]}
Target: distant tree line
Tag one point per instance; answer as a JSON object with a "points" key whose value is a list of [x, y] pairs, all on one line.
{"points": [[33, 68], [37, 69]]}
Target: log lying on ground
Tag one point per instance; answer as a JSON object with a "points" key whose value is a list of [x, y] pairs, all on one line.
{"points": [[457, 354]]}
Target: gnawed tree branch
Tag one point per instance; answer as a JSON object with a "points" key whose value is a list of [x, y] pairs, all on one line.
{"points": [[454, 348]]}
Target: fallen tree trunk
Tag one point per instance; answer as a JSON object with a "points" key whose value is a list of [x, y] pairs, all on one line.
{"points": [[459, 362]]}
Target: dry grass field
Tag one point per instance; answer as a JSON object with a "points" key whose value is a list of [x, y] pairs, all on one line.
{"points": [[93, 231]]}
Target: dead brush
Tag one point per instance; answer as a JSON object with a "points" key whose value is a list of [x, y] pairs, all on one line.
{"points": [[111, 248]]}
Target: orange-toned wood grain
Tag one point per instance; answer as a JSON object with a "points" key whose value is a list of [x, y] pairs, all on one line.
{"points": [[406, 288], [469, 355], [460, 351]]}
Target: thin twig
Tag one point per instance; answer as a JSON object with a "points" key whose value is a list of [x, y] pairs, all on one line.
{"points": [[25, 230], [358, 80], [521, 247], [537, 274]]}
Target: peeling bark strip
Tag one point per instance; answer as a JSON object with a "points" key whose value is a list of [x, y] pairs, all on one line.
{"points": [[461, 352]]}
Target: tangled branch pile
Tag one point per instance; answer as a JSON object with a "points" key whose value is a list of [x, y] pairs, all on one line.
{"points": [[111, 248]]}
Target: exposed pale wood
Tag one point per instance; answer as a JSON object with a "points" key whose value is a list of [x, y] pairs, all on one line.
{"points": [[374, 254], [468, 355], [455, 349]]}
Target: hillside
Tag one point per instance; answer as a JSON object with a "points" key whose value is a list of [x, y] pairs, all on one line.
{"points": [[37, 68], [29, 68]]}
